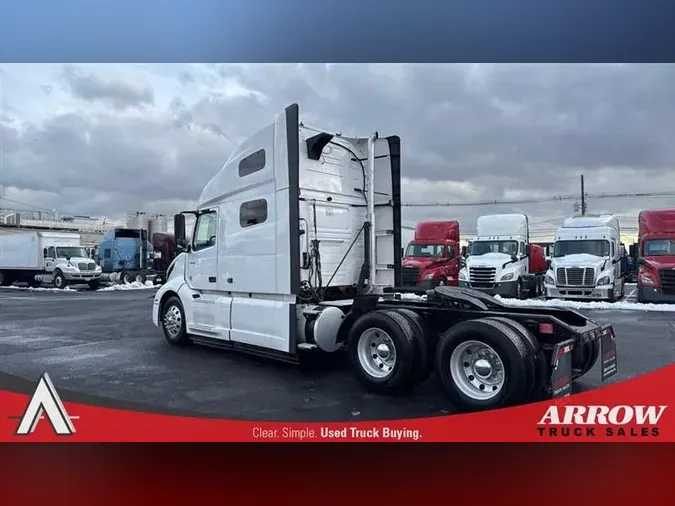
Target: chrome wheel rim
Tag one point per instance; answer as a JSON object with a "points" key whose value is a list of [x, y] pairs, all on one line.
{"points": [[376, 353], [139, 279], [58, 281], [477, 370], [173, 321]]}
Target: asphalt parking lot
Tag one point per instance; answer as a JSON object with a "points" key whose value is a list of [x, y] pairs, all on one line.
{"points": [[101, 348]]}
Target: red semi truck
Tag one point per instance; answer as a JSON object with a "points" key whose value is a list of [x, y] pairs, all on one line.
{"points": [[432, 257], [656, 256]]}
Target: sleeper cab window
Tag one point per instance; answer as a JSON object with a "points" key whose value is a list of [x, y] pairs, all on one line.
{"points": [[205, 231], [252, 163], [252, 213]]}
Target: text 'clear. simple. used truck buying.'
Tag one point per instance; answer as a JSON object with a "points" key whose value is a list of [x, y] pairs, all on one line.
{"points": [[296, 251], [38, 258]]}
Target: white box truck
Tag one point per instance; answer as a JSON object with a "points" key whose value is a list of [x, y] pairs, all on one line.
{"points": [[40, 258], [586, 261], [501, 260], [296, 252]]}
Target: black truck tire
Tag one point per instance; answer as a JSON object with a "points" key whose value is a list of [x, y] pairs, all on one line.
{"points": [[126, 278], [172, 321], [469, 340], [94, 285], [140, 278], [59, 280], [425, 346], [371, 341], [521, 289], [538, 370]]}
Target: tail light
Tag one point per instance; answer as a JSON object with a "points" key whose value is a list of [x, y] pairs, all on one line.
{"points": [[546, 328]]}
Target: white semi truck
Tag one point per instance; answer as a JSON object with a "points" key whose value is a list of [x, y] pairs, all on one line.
{"points": [[586, 261], [296, 252], [501, 260], [38, 258]]}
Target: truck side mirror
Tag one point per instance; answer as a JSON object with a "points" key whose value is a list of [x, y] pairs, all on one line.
{"points": [[179, 230], [44, 252], [527, 250], [464, 251], [641, 261]]}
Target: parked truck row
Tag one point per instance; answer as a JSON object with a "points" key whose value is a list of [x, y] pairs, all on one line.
{"points": [[586, 261], [59, 259]]}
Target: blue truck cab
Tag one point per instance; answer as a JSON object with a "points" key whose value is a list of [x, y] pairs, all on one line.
{"points": [[125, 255]]}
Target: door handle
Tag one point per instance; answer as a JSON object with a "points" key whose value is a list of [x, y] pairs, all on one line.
{"points": [[212, 279], [230, 280], [192, 263], [195, 295]]}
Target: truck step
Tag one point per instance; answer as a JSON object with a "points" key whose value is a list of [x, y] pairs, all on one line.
{"points": [[307, 346], [242, 347]]}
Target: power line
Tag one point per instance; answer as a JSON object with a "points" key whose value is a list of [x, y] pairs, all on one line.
{"points": [[554, 198]]}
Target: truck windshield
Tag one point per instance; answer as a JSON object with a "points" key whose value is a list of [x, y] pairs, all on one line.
{"points": [[71, 252], [656, 247], [482, 247], [599, 248], [425, 250]]}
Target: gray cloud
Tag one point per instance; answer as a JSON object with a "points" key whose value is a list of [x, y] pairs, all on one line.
{"points": [[120, 94], [469, 133]]}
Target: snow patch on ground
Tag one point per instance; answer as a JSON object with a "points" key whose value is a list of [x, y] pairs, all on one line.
{"points": [[40, 289], [611, 306], [129, 286]]}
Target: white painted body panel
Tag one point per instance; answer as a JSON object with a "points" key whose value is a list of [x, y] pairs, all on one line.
{"points": [[606, 270], [24, 250], [243, 288], [500, 227], [592, 221]]}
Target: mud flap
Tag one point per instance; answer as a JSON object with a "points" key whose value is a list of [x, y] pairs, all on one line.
{"points": [[608, 353], [561, 376]]}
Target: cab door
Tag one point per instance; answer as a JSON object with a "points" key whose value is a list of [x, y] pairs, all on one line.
{"points": [[50, 258], [202, 268]]}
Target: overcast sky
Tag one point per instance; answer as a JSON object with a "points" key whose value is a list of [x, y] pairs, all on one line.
{"points": [[105, 139]]}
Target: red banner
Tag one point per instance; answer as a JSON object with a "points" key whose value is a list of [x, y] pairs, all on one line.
{"points": [[636, 410]]}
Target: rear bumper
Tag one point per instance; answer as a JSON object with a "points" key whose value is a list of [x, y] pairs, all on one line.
{"points": [[503, 289], [584, 351], [586, 293], [652, 294]]}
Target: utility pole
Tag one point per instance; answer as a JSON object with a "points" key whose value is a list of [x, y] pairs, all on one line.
{"points": [[583, 197]]}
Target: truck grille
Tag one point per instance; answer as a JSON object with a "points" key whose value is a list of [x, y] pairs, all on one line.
{"points": [[482, 277], [575, 276], [409, 276], [667, 277], [86, 266]]}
